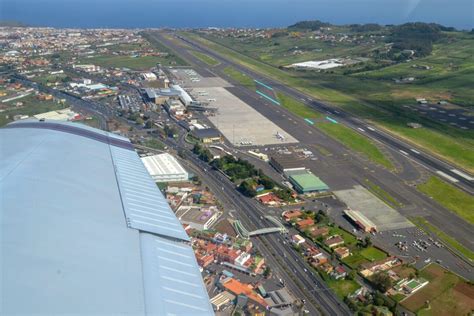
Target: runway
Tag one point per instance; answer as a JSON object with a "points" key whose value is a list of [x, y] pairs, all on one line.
{"points": [[343, 169]]}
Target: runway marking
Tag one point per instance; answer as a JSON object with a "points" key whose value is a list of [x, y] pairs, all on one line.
{"points": [[267, 97], [447, 176], [462, 174], [404, 152], [415, 151], [309, 121], [331, 120], [370, 128], [360, 129], [266, 86]]}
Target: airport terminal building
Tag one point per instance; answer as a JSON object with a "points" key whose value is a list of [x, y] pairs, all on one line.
{"points": [[85, 229]]}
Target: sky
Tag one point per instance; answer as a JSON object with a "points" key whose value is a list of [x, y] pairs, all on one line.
{"points": [[233, 13]]}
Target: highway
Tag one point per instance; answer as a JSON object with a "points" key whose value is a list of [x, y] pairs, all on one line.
{"points": [[252, 215], [458, 177]]}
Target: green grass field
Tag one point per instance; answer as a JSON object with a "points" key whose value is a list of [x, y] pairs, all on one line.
{"points": [[49, 78], [373, 94], [373, 254], [349, 239], [342, 288], [205, 58], [297, 107], [447, 294], [450, 197], [154, 143], [32, 106], [355, 260], [448, 240], [134, 63], [241, 78], [356, 142], [361, 256]]}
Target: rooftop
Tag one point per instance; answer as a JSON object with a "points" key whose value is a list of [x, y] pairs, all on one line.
{"points": [[82, 221], [206, 133], [308, 181], [163, 164]]}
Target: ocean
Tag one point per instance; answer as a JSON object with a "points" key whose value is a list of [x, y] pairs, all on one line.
{"points": [[232, 13]]}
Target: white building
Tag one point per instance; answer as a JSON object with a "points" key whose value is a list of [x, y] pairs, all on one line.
{"points": [[165, 168], [197, 217], [149, 76], [297, 239], [242, 259]]}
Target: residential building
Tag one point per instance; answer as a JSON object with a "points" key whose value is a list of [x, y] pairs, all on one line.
{"points": [[297, 239], [334, 241], [342, 252], [293, 214], [304, 223]]}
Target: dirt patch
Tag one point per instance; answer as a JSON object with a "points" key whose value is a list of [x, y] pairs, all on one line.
{"points": [[465, 289], [429, 95], [225, 227], [435, 270]]}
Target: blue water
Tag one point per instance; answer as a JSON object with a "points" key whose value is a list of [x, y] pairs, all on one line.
{"points": [[232, 13]]}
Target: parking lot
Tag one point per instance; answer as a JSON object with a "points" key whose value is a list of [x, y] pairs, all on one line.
{"points": [[411, 244], [456, 117]]}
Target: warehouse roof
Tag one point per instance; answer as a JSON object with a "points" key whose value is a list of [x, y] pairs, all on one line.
{"points": [[306, 181], [206, 133], [163, 164], [287, 161], [85, 229]]}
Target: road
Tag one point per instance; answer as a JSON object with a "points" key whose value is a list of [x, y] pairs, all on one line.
{"points": [[435, 165], [102, 112], [251, 214]]}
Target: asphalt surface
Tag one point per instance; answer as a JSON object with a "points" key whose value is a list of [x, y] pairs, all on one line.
{"points": [[343, 168], [432, 163]]}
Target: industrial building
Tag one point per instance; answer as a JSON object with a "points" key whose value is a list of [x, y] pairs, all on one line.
{"points": [[200, 218], [305, 182], [165, 168], [58, 115], [285, 163], [207, 135], [85, 229], [361, 221]]}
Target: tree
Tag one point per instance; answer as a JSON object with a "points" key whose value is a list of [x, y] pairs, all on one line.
{"points": [[246, 188], [367, 241], [266, 272], [139, 121], [149, 124], [382, 281]]}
